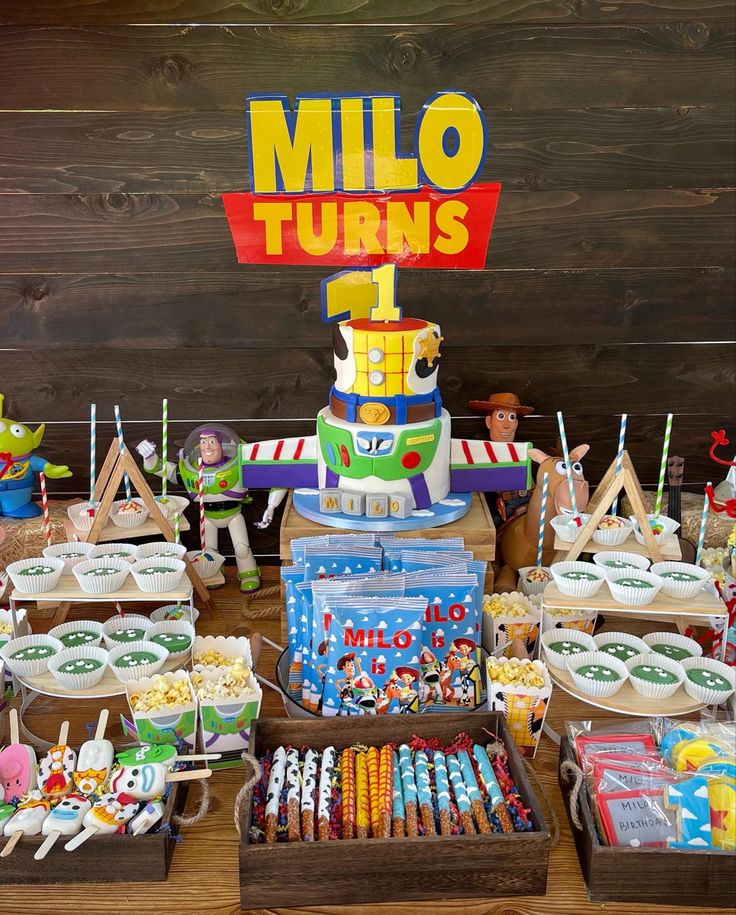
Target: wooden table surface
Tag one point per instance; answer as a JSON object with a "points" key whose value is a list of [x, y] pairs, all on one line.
{"points": [[204, 871]]}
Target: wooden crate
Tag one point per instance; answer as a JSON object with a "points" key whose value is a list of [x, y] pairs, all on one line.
{"points": [[102, 859], [654, 876], [397, 870]]}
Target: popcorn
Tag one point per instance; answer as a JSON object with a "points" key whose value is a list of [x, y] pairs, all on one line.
{"points": [[211, 657], [165, 694], [506, 605], [513, 672], [6, 628], [712, 560], [233, 683]]}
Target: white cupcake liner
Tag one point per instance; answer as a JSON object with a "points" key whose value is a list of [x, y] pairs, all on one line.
{"points": [[670, 526], [577, 588], [555, 658], [188, 614], [80, 680], [703, 693], [175, 505], [533, 587], [684, 590], [21, 617], [129, 621], [176, 627], [655, 690], [23, 668], [78, 515], [566, 530], [598, 688], [613, 536], [108, 549], [128, 519], [154, 550], [621, 638], [75, 626], [206, 568], [101, 584], [631, 596], [674, 639], [78, 547], [158, 582], [124, 674], [35, 584], [634, 560]]}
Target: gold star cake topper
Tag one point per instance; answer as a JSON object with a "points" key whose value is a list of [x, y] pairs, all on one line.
{"points": [[429, 347]]}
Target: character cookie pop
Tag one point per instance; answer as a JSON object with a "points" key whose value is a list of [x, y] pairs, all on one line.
{"points": [[56, 769], [147, 818], [27, 821], [143, 783], [64, 820], [107, 816], [18, 764], [95, 760]]}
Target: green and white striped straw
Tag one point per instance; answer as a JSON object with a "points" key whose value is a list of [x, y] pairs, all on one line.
{"points": [[165, 445], [663, 466], [177, 534]]}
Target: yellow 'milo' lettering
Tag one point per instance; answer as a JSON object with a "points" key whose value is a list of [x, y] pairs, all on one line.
{"points": [[390, 173]]}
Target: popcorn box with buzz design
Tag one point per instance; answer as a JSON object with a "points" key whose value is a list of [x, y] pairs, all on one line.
{"points": [[164, 709], [229, 702], [521, 691]]}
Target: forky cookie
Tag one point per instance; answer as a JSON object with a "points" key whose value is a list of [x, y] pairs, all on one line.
{"points": [[64, 820], [148, 781]]}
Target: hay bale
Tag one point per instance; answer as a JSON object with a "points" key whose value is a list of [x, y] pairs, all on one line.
{"points": [[717, 531], [25, 538]]}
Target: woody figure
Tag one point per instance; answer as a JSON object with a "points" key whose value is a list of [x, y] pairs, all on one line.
{"points": [[503, 412]]}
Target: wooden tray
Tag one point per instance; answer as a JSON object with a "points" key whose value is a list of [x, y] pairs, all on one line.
{"points": [[111, 533], [382, 870], [705, 604], [627, 701], [102, 859], [652, 876], [68, 589], [108, 686], [670, 549]]}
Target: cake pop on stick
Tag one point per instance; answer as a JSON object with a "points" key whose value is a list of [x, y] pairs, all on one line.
{"points": [[148, 781], [95, 759], [442, 785], [424, 792], [273, 794], [18, 766], [27, 820], [64, 820], [56, 769], [493, 789], [325, 794], [107, 816], [147, 818], [476, 801]]}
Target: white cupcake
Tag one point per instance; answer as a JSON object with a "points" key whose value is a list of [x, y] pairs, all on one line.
{"points": [[172, 612], [621, 645], [158, 575], [613, 559], [654, 675], [122, 630], [158, 549], [36, 575], [102, 576], [673, 645], [633, 587], [206, 564], [681, 579], [116, 550], [540, 578], [28, 655], [172, 506], [83, 514], [135, 660], [597, 674], [70, 553], [566, 528], [78, 634], [662, 527], [612, 530], [577, 579], [176, 636], [709, 681], [79, 668], [560, 644], [128, 514]]}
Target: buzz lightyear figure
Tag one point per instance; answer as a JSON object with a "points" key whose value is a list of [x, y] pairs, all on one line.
{"points": [[224, 494]]}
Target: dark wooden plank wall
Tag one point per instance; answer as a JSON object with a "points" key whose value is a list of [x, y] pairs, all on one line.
{"points": [[609, 283]]}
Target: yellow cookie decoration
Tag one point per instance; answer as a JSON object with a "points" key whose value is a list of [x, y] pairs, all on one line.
{"points": [[429, 347], [722, 800], [689, 755], [374, 414]]}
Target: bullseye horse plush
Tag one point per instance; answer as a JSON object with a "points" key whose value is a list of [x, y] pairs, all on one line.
{"points": [[518, 539]]}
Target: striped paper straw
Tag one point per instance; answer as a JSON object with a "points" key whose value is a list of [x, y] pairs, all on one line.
{"points": [[45, 507], [542, 514], [619, 457], [200, 492], [92, 450], [165, 444], [663, 466], [177, 533], [121, 446], [568, 469], [703, 525]]}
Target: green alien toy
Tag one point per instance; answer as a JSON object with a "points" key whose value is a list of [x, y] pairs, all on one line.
{"points": [[18, 465]]}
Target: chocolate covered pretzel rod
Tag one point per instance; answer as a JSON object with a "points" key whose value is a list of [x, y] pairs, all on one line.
{"points": [[409, 787], [385, 790], [398, 812], [309, 786], [442, 786], [293, 793], [424, 792], [362, 794], [273, 795], [493, 789], [373, 790], [461, 795], [347, 769], [325, 794], [476, 800]]}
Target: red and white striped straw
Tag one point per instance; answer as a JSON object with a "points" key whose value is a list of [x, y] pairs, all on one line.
{"points": [[200, 492], [45, 507]]}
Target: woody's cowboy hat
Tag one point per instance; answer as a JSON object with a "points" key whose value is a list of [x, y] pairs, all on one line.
{"points": [[500, 402]]}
